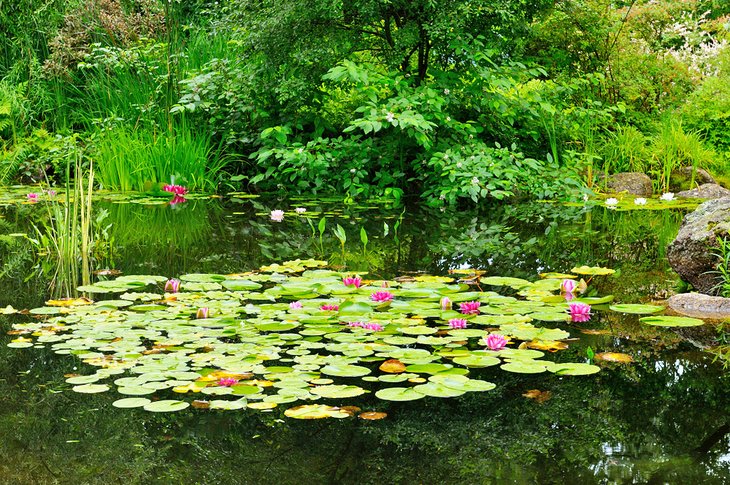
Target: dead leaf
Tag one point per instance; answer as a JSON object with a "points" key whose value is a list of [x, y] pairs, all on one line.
{"points": [[197, 404], [538, 395], [393, 366], [614, 357], [66, 302], [372, 415], [549, 345]]}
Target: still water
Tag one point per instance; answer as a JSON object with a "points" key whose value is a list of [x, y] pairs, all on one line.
{"points": [[661, 419]]}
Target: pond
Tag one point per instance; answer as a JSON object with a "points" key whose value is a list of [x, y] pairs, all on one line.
{"points": [[661, 418]]}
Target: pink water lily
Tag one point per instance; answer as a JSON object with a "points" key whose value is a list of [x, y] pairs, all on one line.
{"points": [[51, 193], [32, 197], [457, 323], [445, 303], [277, 215], [373, 326], [469, 307], [295, 305], [496, 341], [178, 199], [172, 285], [579, 312], [330, 308], [355, 281], [381, 296], [227, 381], [568, 286], [203, 312], [175, 189]]}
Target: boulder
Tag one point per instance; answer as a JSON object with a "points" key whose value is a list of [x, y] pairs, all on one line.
{"points": [[690, 254], [702, 176], [632, 182], [705, 191], [700, 306]]}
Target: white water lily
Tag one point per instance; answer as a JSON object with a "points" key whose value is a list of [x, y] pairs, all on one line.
{"points": [[640, 201], [667, 196], [611, 201], [300, 210]]}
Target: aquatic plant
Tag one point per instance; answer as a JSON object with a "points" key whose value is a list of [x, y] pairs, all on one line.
{"points": [[300, 210], [457, 323], [568, 286], [469, 307], [640, 201], [277, 215], [227, 381], [203, 312], [381, 296], [611, 201], [355, 281], [667, 196], [445, 303], [579, 312], [495, 341], [172, 285], [296, 305], [33, 197], [329, 307], [175, 189]]}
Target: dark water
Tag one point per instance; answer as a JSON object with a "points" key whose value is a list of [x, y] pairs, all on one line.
{"points": [[662, 419]]}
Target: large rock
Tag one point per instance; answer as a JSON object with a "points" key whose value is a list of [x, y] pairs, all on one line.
{"points": [[690, 254], [700, 306], [705, 191], [632, 182], [701, 176]]}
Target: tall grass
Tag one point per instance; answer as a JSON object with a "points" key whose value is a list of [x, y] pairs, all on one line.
{"points": [[673, 148], [626, 150], [132, 160]]}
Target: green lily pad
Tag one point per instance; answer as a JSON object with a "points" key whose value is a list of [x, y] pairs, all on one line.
{"points": [[338, 391], [525, 366], [345, 370], [636, 308], [504, 281], [91, 388], [276, 326], [166, 406], [82, 379], [476, 360], [131, 402], [573, 369], [670, 321], [435, 389], [399, 394], [241, 285], [227, 405], [592, 270]]}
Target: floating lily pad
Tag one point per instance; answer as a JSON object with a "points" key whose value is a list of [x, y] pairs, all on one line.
{"points": [[82, 379], [573, 369], [476, 360], [345, 370], [166, 406], [91, 388], [670, 321], [592, 270], [504, 281], [525, 367], [131, 402], [399, 394], [316, 411], [636, 308], [227, 405], [435, 389], [338, 391]]}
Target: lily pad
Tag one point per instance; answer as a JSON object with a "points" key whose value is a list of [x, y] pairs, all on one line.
{"points": [[315, 411], [345, 370], [636, 308], [573, 369], [670, 321], [91, 388], [338, 391], [399, 394], [131, 402], [166, 406], [592, 270]]}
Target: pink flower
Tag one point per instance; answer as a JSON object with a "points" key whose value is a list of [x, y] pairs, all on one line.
{"points": [[227, 381], [469, 307], [381, 296], [496, 341], [356, 324], [175, 189], [178, 199], [300, 210], [567, 286], [172, 285], [355, 281], [445, 303], [330, 308], [32, 197], [457, 323], [373, 326], [384, 284], [295, 305], [579, 312], [51, 193], [203, 312], [277, 215], [568, 296]]}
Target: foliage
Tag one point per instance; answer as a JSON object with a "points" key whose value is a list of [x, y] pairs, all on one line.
{"points": [[722, 251]]}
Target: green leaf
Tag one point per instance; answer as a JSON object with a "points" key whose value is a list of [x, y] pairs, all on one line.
{"points": [[669, 321]]}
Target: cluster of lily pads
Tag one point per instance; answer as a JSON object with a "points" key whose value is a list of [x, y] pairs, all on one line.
{"points": [[296, 332]]}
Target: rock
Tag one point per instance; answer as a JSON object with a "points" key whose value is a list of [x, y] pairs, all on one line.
{"points": [[700, 306], [702, 176], [632, 182], [690, 253], [705, 191]]}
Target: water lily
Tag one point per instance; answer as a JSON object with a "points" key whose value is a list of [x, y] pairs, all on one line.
{"points": [[445, 303], [579, 312], [277, 215], [667, 196], [175, 189], [32, 197], [469, 307], [611, 201], [300, 210], [457, 323], [227, 381], [640, 201], [381, 296], [356, 324], [172, 285], [355, 281], [178, 199], [295, 305], [373, 326], [495, 341], [203, 312], [51, 193], [330, 308], [568, 286]]}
